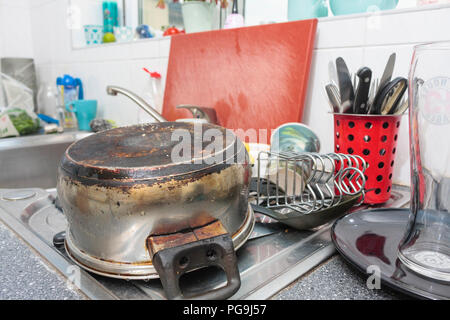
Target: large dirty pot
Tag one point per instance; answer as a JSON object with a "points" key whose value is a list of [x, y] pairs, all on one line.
{"points": [[157, 200]]}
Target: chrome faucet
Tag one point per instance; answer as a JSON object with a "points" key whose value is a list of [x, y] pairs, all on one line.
{"points": [[198, 112], [114, 90]]}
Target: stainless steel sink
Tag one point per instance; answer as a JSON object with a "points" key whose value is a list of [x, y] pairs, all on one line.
{"points": [[32, 161]]}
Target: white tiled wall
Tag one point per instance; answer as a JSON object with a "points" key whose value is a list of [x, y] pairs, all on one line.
{"points": [[15, 29], [360, 39], [265, 11], [112, 64]]}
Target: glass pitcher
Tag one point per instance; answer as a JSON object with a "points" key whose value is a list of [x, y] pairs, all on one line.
{"points": [[425, 247]]}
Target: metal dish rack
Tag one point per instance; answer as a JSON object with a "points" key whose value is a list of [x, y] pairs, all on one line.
{"points": [[307, 182]]}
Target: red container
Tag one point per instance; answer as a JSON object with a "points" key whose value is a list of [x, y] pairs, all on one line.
{"points": [[374, 138]]}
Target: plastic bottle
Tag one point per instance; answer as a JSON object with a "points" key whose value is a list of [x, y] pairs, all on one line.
{"points": [[69, 89], [47, 99]]}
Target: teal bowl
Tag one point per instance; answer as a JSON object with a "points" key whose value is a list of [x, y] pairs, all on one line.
{"points": [[294, 137], [342, 7], [307, 9]]}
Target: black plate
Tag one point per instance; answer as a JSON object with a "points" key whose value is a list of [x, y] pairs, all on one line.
{"points": [[371, 237]]}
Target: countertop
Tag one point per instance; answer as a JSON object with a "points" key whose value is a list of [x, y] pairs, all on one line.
{"points": [[334, 279], [24, 274]]}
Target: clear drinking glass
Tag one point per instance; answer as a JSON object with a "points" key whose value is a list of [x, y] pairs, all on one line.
{"points": [[425, 247]]}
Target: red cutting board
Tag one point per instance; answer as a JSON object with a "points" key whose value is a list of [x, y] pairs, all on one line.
{"points": [[254, 77]]}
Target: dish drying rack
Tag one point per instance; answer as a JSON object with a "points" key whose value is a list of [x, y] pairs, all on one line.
{"points": [[307, 182]]}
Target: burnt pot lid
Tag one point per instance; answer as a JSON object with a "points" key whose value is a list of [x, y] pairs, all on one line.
{"points": [[151, 151]]}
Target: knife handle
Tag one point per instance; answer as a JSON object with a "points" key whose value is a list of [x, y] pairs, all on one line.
{"points": [[360, 105]]}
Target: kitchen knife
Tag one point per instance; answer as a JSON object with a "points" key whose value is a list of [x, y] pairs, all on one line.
{"points": [[386, 77], [388, 70], [390, 96], [333, 96], [345, 86], [332, 73], [373, 90], [360, 106]]}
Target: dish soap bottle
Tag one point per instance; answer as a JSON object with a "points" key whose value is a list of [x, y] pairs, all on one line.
{"points": [[70, 89]]}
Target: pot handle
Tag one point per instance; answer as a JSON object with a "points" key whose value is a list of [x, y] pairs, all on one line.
{"points": [[198, 249]]}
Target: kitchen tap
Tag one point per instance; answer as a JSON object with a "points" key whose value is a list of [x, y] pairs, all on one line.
{"points": [[114, 90], [208, 114]]}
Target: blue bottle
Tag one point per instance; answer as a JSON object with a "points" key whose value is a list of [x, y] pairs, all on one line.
{"points": [[110, 16], [73, 88]]}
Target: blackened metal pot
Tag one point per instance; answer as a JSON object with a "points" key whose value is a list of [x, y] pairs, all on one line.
{"points": [[157, 200]]}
